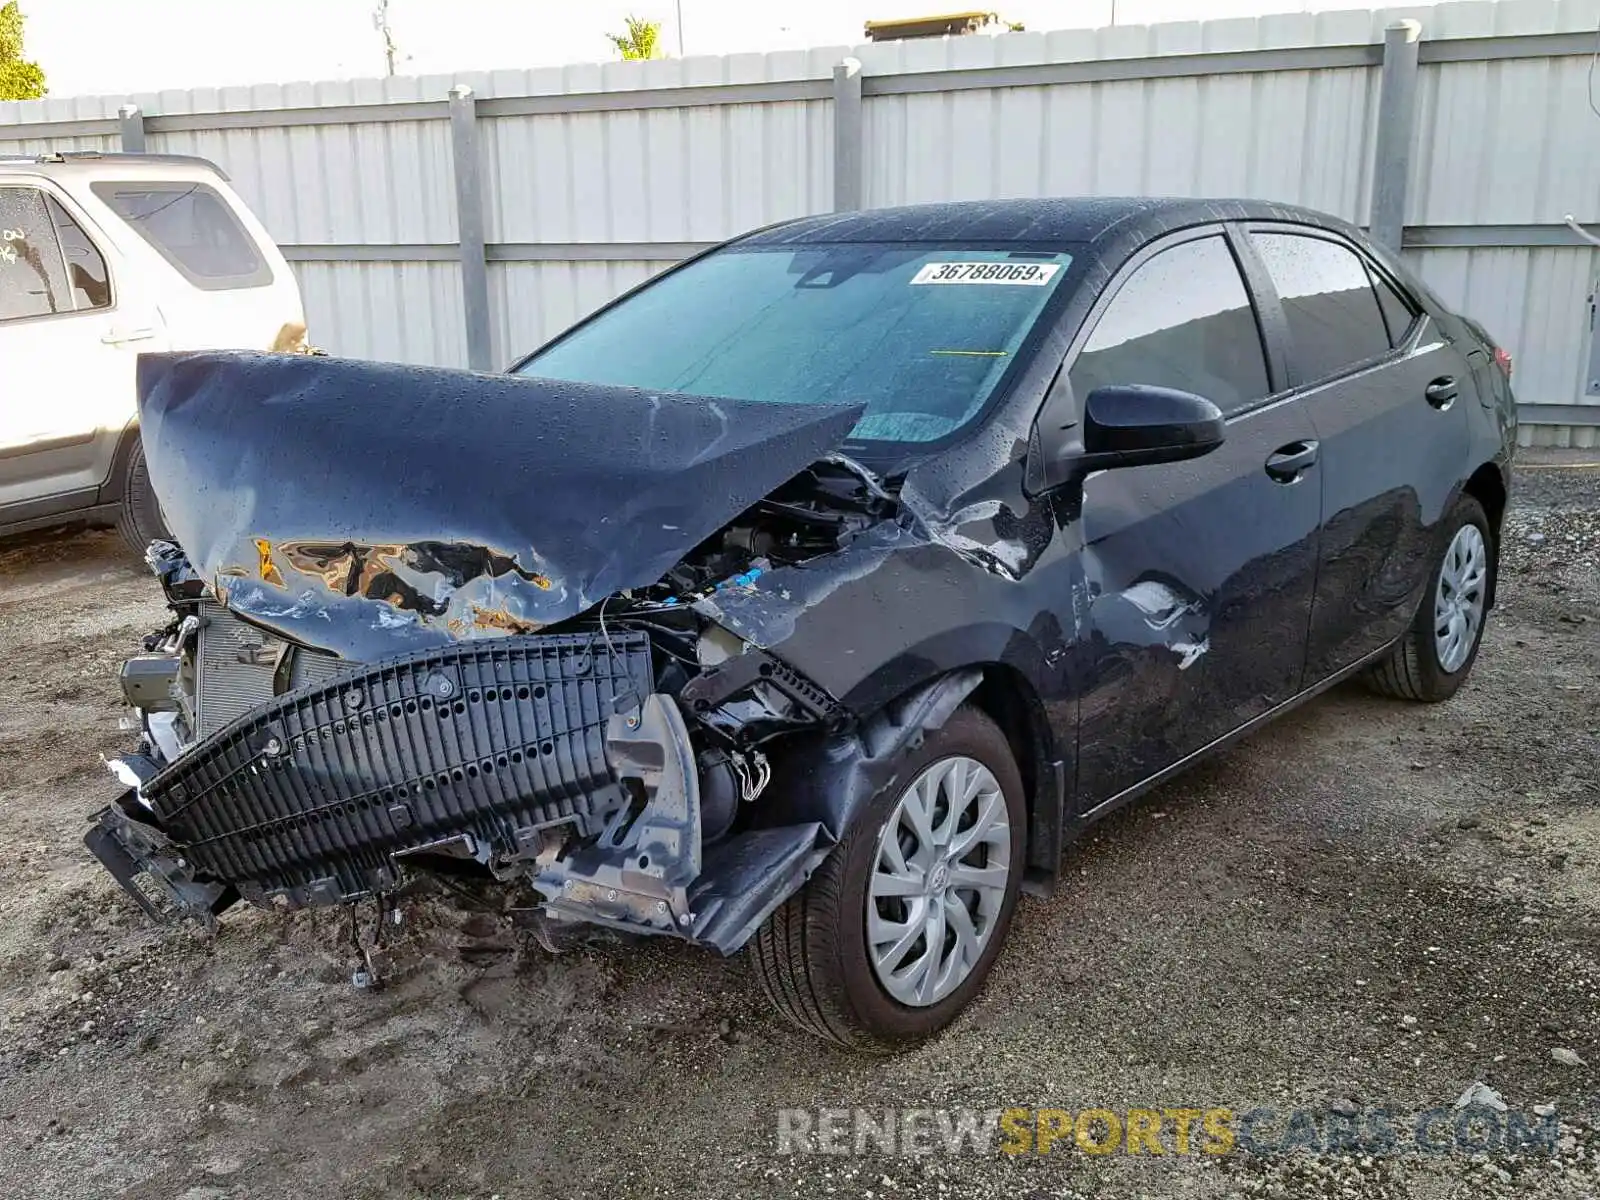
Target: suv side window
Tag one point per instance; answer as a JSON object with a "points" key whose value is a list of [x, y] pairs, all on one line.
{"points": [[1333, 315], [33, 279], [86, 266], [193, 228], [1182, 320]]}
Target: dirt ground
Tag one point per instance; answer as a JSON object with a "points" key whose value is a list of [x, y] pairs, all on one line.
{"points": [[1371, 904]]}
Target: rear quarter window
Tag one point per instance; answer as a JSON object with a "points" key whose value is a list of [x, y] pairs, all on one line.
{"points": [[191, 226], [1398, 314]]}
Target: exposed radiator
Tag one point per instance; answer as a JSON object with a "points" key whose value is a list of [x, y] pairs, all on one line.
{"points": [[239, 667]]}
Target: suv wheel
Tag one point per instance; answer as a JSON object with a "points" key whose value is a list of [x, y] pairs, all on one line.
{"points": [[894, 934], [1433, 658], [140, 521]]}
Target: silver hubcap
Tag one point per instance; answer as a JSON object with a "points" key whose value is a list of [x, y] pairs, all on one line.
{"points": [[938, 881], [1458, 604]]}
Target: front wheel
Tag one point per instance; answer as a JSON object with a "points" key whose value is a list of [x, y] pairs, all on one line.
{"points": [[894, 934], [1433, 658]]}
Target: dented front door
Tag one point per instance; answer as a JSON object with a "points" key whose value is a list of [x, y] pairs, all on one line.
{"points": [[1200, 573], [1202, 576]]}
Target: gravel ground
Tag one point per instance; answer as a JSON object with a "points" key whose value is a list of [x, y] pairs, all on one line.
{"points": [[1370, 905]]}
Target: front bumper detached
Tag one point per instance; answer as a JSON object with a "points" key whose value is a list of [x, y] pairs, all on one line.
{"points": [[545, 759], [152, 870]]}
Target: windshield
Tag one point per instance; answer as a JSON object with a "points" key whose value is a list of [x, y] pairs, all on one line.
{"points": [[922, 337]]}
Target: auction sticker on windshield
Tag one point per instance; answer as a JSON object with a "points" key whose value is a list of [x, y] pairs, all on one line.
{"points": [[1027, 274]]}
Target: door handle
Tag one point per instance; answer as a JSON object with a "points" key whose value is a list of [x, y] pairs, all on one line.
{"points": [[119, 336], [1442, 392], [1288, 463]]}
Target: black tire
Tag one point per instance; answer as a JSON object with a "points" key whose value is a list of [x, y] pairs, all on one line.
{"points": [[811, 955], [1412, 670], [140, 521]]}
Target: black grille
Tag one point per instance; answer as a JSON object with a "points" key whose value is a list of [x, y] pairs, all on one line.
{"points": [[320, 786]]}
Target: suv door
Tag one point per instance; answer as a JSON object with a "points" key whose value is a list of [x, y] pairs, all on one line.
{"points": [[1381, 383], [69, 379], [1200, 573]]}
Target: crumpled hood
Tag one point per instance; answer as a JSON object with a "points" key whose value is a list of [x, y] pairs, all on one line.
{"points": [[369, 509]]}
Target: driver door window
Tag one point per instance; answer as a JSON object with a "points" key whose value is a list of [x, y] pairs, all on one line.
{"points": [[1182, 320]]}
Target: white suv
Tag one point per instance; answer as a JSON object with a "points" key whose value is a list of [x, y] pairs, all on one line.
{"points": [[102, 257]]}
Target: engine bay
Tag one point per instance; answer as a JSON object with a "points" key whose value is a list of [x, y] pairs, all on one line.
{"points": [[597, 760]]}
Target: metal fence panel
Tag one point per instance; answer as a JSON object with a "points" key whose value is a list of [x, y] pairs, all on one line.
{"points": [[596, 176], [681, 174], [366, 182], [397, 312], [1297, 137], [80, 123]]}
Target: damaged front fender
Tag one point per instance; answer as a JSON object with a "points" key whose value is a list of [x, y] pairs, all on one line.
{"points": [[752, 873]]}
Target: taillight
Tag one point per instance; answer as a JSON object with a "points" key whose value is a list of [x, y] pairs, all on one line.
{"points": [[1502, 359]]}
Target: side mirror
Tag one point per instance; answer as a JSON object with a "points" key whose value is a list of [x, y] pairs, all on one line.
{"points": [[1135, 425]]}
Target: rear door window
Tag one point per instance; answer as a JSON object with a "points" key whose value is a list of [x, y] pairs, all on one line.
{"points": [[33, 278], [1335, 323], [192, 227], [86, 266], [1182, 320]]}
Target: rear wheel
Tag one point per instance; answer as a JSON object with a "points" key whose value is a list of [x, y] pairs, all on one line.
{"points": [[140, 522], [1434, 657], [895, 933]]}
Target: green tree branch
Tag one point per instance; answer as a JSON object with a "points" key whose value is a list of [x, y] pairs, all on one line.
{"points": [[642, 40], [19, 78]]}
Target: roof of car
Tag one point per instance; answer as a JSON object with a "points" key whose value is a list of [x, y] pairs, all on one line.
{"points": [[96, 162], [1046, 220]]}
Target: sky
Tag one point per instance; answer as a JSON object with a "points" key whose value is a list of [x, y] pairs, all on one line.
{"points": [[90, 47]]}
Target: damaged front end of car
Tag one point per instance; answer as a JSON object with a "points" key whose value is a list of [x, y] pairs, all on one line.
{"points": [[359, 683]]}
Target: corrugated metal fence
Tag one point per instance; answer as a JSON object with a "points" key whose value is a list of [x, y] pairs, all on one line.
{"points": [[581, 181]]}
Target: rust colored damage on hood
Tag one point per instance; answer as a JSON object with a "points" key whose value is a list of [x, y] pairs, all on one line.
{"points": [[494, 619], [269, 569], [424, 578]]}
